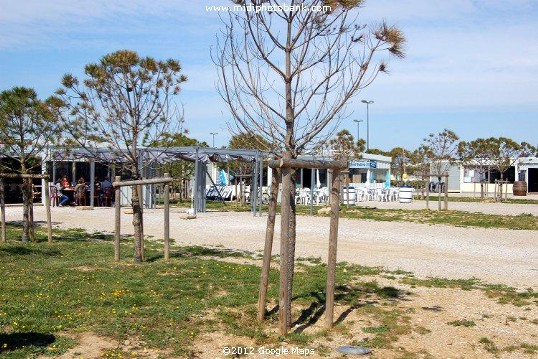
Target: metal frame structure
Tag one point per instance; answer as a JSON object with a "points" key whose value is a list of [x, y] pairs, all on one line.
{"points": [[201, 156]]}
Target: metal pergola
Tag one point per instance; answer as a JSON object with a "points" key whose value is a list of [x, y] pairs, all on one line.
{"points": [[201, 156]]}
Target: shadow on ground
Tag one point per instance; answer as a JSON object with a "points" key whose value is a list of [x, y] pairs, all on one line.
{"points": [[14, 341], [344, 295]]}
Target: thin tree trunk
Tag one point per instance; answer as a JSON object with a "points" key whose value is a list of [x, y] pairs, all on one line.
{"points": [[31, 232], [25, 212], [137, 224]]}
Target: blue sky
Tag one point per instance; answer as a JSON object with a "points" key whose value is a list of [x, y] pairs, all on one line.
{"points": [[471, 66]]}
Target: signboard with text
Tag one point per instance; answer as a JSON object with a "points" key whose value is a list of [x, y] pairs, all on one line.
{"points": [[368, 164]]}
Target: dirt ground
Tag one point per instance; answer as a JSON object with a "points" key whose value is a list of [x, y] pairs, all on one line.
{"points": [[439, 322], [429, 318]]}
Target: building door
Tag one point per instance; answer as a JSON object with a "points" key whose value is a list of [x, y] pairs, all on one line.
{"points": [[533, 180]]}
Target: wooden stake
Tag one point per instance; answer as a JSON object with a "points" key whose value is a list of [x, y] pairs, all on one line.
{"points": [[141, 203], [446, 191], [439, 192], [269, 235], [333, 240], [3, 210], [117, 234], [167, 219], [47, 207], [428, 194], [284, 299]]}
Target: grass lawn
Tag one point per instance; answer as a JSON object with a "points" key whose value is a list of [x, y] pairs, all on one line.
{"points": [[51, 294], [435, 198]]}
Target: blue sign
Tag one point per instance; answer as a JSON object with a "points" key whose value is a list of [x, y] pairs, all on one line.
{"points": [[363, 164]]}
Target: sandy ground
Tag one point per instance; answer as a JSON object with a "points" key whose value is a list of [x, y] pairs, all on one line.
{"points": [[493, 255]]}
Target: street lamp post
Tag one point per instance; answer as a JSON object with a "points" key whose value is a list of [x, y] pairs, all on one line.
{"points": [[213, 134], [358, 129], [368, 103]]}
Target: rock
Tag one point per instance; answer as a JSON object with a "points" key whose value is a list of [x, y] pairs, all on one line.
{"points": [[348, 349], [187, 216]]}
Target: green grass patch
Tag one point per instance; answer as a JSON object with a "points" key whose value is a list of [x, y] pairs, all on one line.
{"points": [[489, 345], [453, 218], [53, 292], [435, 198], [462, 323]]}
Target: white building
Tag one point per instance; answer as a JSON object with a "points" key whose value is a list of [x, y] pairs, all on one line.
{"points": [[526, 169]]}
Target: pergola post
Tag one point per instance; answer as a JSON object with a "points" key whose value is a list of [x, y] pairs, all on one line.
{"points": [[312, 184], [195, 187], [260, 185], [92, 182], [254, 188]]}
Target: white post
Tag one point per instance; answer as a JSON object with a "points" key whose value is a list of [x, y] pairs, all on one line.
{"points": [[44, 183], [73, 172], [269, 177]]}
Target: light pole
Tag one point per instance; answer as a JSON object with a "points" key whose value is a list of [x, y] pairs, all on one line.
{"points": [[213, 134], [358, 129], [368, 103]]}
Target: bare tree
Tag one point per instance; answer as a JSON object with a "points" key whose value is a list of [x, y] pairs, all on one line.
{"points": [[441, 150], [124, 101], [27, 127], [287, 71]]}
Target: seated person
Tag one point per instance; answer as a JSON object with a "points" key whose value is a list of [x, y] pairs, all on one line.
{"points": [[65, 182], [105, 184], [80, 191], [62, 197]]}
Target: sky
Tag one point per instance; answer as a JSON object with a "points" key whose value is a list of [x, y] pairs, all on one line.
{"points": [[471, 65]]}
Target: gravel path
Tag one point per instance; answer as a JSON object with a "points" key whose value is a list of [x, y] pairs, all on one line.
{"points": [[494, 255]]}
